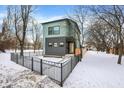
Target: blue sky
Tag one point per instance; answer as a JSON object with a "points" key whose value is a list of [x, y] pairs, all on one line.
{"points": [[43, 13], [54, 10]]}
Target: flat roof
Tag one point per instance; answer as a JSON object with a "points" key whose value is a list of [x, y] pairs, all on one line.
{"points": [[61, 20], [55, 20]]}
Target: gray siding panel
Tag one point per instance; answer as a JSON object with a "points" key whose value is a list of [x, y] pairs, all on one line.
{"points": [[51, 50]]}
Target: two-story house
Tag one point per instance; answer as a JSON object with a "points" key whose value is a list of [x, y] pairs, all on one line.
{"points": [[60, 37]]}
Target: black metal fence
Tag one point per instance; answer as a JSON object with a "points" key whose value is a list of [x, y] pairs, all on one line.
{"points": [[58, 71], [31, 53]]}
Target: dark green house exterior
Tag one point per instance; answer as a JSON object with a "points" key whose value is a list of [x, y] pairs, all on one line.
{"points": [[60, 37]]}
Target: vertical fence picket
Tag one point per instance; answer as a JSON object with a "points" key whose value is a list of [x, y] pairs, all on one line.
{"points": [[41, 71], [61, 75], [32, 64]]}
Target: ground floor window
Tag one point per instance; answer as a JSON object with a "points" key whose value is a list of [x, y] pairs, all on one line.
{"points": [[61, 44], [55, 45], [50, 44]]}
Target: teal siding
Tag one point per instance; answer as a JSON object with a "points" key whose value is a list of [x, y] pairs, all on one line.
{"points": [[64, 29], [67, 29]]}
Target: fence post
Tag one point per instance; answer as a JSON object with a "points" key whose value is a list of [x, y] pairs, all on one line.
{"points": [[17, 58], [41, 71], [23, 60], [32, 64], [61, 76]]}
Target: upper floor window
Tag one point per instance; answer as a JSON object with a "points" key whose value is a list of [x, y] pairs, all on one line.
{"points": [[54, 30]]}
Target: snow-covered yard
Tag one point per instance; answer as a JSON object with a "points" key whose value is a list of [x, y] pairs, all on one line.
{"points": [[97, 70], [14, 75]]}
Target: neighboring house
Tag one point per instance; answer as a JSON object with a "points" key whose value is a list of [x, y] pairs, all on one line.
{"points": [[61, 37]]}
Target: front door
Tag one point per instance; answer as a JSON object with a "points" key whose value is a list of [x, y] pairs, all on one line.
{"points": [[71, 48]]}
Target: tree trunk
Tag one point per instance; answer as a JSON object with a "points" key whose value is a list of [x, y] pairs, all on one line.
{"points": [[15, 47], [116, 51], [21, 47], [107, 50], [120, 52], [119, 58]]}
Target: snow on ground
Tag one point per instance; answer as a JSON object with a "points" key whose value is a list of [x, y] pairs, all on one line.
{"points": [[97, 70], [28, 50], [14, 75], [55, 59]]}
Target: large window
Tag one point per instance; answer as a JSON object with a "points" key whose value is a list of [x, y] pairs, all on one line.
{"points": [[54, 30]]}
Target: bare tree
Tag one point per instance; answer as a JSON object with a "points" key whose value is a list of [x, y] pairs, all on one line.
{"points": [[100, 35], [20, 16], [79, 15], [36, 35], [5, 36], [114, 17]]}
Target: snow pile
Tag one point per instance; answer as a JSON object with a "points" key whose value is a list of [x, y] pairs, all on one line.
{"points": [[13, 75], [98, 70]]}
